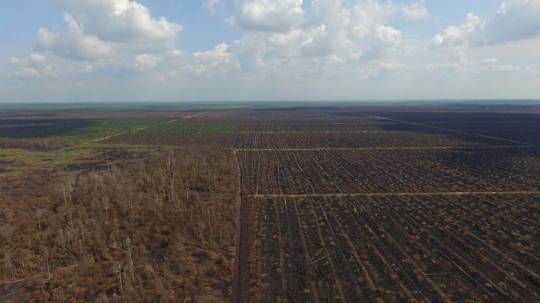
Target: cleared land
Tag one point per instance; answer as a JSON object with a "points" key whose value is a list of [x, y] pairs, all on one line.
{"points": [[339, 203]]}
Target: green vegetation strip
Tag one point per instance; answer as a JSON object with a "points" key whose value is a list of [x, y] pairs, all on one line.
{"points": [[188, 128], [77, 131], [151, 106], [379, 148], [461, 193], [23, 160]]}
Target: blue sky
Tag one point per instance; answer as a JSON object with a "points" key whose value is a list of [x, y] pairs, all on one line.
{"points": [[166, 50]]}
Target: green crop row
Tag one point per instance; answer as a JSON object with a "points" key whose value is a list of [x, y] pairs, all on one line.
{"points": [[78, 131], [181, 128]]}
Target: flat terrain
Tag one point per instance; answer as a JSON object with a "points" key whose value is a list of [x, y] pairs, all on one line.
{"points": [[339, 203]]}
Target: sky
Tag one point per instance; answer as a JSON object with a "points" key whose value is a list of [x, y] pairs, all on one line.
{"points": [[249, 50]]}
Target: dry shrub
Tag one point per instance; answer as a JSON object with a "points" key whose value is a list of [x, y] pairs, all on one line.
{"points": [[158, 231]]}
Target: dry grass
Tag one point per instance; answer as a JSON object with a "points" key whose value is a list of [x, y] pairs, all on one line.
{"points": [[161, 230]]}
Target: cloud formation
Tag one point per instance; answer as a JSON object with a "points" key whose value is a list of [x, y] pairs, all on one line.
{"points": [[336, 32], [515, 20], [415, 11], [210, 5], [215, 62], [282, 49], [24, 73], [103, 28], [266, 15], [35, 59], [459, 36]]}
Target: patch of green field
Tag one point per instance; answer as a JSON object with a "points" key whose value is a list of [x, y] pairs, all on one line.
{"points": [[108, 128], [181, 128], [150, 106], [78, 131], [46, 130], [109, 107], [23, 160], [76, 107], [16, 162]]}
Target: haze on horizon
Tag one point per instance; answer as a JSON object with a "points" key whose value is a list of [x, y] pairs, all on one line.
{"points": [[119, 50]]}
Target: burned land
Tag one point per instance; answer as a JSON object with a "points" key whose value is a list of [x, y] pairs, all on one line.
{"points": [[322, 203]]}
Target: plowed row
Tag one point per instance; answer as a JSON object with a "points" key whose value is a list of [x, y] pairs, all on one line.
{"points": [[391, 171], [387, 217], [395, 249]]}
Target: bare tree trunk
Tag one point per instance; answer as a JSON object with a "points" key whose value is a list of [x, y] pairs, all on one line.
{"points": [[117, 269], [129, 248], [46, 252], [39, 212]]}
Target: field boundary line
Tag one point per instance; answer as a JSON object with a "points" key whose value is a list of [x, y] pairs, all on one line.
{"points": [[144, 127], [450, 130], [383, 148], [316, 131], [462, 193], [237, 271]]}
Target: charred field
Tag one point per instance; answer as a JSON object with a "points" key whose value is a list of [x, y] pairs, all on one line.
{"points": [[338, 203]]}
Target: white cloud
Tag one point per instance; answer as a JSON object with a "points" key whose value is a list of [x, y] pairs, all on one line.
{"points": [[49, 70], [102, 28], [216, 62], [210, 5], [382, 70], [415, 11], [491, 67], [33, 66], [333, 40], [269, 15], [119, 37], [515, 20], [73, 44], [250, 50], [37, 59], [459, 36], [24, 73], [490, 61], [298, 43], [364, 17], [230, 21], [460, 58], [34, 60], [290, 49], [342, 31], [387, 34], [146, 61], [121, 21], [386, 40], [14, 61]]}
